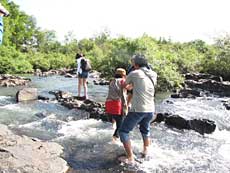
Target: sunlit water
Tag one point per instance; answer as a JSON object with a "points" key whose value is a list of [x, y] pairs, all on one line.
{"points": [[87, 143]]}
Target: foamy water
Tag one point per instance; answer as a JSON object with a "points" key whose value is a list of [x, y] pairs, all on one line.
{"points": [[200, 108], [88, 144]]}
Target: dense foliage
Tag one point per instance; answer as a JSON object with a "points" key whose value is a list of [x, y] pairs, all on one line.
{"points": [[26, 48]]}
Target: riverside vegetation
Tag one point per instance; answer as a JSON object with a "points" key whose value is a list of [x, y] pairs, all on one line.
{"points": [[27, 47]]}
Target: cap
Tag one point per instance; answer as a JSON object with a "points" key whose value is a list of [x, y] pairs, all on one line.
{"points": [[121, 71]]}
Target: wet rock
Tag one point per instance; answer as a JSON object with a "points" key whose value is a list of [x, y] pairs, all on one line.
{"points": [[27, 94], [186, 93], [62, 71], [12, 81], [71, 104], [160, 117], [101, 82], [177, 122], [61, 94], [198, 76], [95, 74], [43, 98], [23, 154], [201, 126], [169, 102], [198, 84], [97, 111], [220, 88], [41, 115], [227, 104]]}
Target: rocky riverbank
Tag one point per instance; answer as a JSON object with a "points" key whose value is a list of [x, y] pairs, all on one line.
{"points": [[7, 80], [21, 154], [199, 84]]}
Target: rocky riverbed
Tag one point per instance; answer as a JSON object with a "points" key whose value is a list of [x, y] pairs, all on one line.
{"points": [[19, 154], [59, 116]]}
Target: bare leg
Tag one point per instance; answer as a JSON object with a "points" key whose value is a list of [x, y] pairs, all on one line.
{"points": [[80, 80], [147, 143], [113, 124], [85, 88], [129, 151]]}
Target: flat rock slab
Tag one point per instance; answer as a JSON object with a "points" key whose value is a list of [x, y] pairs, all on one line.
{"points": [[21, 154]]}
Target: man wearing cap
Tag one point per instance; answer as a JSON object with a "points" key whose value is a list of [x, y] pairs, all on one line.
{"points": [[143, 80], [3, 12]]}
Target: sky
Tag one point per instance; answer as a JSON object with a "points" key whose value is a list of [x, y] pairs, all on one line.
{"points": [[178, 20]]}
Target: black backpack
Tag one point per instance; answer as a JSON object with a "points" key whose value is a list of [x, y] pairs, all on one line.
{"points": [[85, 65]]}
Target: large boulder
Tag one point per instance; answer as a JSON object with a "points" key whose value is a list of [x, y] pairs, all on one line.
{"points": [[26, 155], [201, 126], [177, 122], [27, 94]]}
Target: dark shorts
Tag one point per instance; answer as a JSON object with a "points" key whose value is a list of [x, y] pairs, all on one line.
{"points": [[130, 92], [84, 74]]}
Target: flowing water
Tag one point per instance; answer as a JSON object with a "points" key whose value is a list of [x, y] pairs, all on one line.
{"points": [[87, 143]]}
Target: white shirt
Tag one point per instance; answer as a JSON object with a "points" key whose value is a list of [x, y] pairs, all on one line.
{"points": [[79, 70]]}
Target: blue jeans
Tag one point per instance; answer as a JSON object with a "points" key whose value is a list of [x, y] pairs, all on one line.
{"points": [[1, 29], [131, 120]]}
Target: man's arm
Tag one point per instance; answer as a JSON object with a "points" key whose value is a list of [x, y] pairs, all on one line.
{"points": [[4, 11], [127, 84]]}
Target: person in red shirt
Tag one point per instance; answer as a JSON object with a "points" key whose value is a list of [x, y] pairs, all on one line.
{"points": [[116, 103]]}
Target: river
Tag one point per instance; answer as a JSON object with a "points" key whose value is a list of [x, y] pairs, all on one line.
{"points": [[87, 143]]}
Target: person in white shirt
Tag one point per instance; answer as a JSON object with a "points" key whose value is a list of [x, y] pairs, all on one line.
{"points": [[82, 77], [143, 81], [3, 13]]}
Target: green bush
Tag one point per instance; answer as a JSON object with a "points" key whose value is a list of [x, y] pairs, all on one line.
{"points": [[6, 65], [12, 61], [39, 61]]}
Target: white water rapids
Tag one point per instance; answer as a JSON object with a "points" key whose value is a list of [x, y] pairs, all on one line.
{"points": [[87, 143]]}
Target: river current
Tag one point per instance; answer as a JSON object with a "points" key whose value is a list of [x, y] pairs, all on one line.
{"points": [[87, 143]]}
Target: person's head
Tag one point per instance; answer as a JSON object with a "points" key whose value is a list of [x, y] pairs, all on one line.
{"points": [[132, 61], [139, 61], [120, 73], [78, 55]]}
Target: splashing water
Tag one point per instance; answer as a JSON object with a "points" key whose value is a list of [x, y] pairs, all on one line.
{"points": [[88, 143]]}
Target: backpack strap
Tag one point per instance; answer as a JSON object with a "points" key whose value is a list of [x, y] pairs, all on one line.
{"points": [[148, 77]]}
